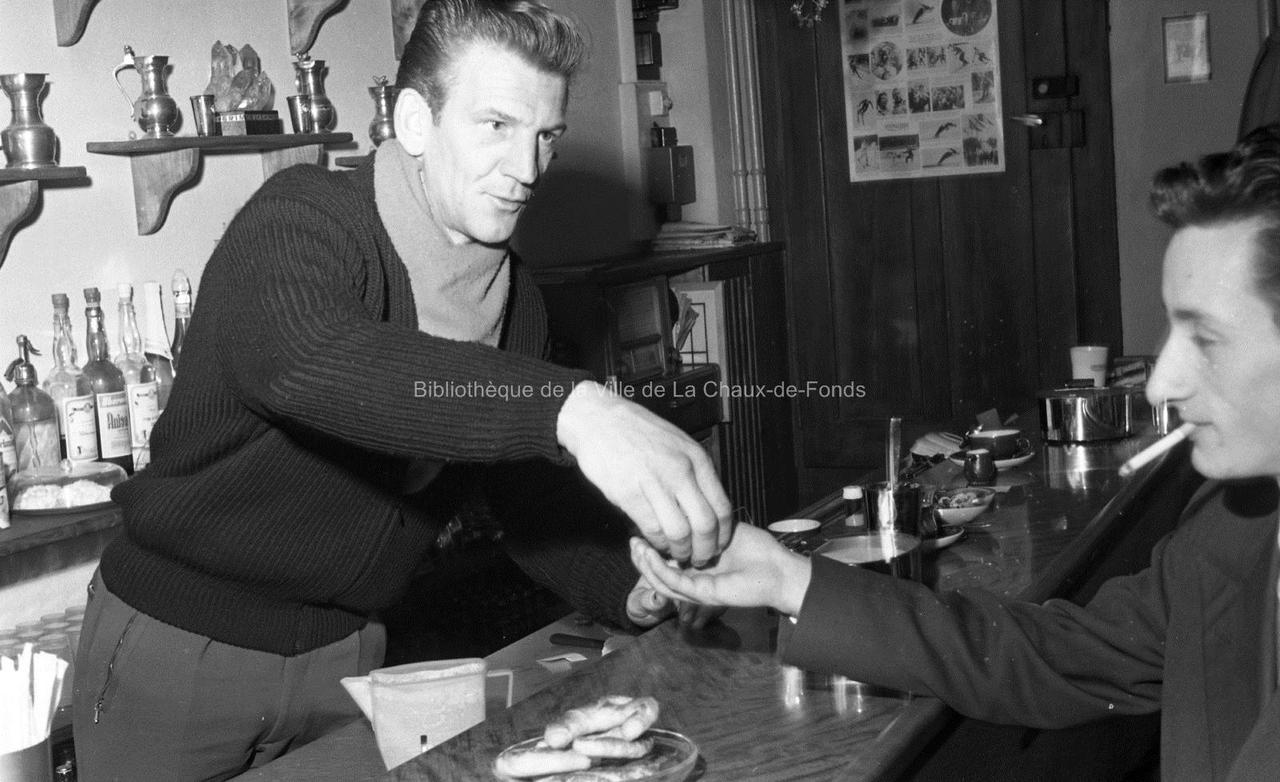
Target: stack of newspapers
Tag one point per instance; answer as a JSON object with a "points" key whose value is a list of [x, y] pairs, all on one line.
{"points": [[699, 236]]}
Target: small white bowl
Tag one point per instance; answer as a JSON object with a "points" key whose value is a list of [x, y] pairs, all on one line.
{"points": [[961, 506], [786, 526]]}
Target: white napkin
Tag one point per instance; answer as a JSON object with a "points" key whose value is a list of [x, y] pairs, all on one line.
{"points": [[934, 443], [416, 706]]}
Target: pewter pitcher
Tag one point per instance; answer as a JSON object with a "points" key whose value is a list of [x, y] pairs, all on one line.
{"points": [[28, 142], [308, 75], [155, 111], [382, 127]]}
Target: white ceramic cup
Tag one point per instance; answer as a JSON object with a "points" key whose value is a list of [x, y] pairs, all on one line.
{"points": [[1090, 362]]}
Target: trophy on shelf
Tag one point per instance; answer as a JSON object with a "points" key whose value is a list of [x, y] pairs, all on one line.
{"points": [[242, 99]]}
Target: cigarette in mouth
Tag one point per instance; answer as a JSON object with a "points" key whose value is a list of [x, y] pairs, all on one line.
{"points": [[1155, 450]]}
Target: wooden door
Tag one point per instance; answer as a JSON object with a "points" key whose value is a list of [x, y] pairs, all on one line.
{"points": [[946, 296]]}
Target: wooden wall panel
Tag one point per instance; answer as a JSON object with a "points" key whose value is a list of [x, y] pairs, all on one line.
{"points": [[943, 296]]}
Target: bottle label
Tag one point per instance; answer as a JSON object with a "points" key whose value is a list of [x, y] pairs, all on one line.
{"points": [[144, 409], [8, 449], [114, 437], [80, 428]]}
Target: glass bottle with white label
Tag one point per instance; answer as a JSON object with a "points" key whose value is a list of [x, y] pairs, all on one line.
{"points": [[72, 395], [115, 442], [140, 383], [8, 449]]}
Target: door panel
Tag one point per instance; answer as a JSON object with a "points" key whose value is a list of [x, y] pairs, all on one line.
{"points": [[947, 296]]}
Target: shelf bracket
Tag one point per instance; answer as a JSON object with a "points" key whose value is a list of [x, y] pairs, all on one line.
{"points": [[156, 177], [70, 18], [404, 13], [274, 160], [17, 202], [305, 17]]}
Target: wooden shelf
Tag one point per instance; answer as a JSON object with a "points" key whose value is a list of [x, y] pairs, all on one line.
{"points": [[305, 17], [70, 18], [162, 165], [19, 188]]}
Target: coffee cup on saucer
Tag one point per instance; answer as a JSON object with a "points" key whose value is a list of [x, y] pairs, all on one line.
{"points": [[1000, 443]]}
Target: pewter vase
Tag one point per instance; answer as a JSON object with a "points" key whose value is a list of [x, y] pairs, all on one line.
{"points": [[155, 111], [308, 75], [384, 102], [28, 142]]}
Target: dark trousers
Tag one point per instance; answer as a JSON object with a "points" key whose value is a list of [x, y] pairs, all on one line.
{"points": [[153, 701]]}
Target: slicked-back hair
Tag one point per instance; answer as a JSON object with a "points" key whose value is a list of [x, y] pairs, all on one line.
{"points": [[544, 38], [1241, 184]]}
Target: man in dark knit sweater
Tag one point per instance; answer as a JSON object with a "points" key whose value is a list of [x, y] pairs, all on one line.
{"points": [[1194, 635], [364, 346]]}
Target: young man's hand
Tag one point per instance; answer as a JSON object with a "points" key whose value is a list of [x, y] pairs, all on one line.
{"points": [[755, 570], [646, 607]]}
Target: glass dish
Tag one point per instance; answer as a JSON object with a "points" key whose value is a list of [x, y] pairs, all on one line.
{"points": [[671, 760], [66, 487]]}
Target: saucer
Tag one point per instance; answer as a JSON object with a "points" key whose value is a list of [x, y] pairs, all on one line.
{"points": [[1001, 464], [933, 544], [1015, 461]]}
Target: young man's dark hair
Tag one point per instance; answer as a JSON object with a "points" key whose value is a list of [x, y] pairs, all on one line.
{"points": [[1239, 184]]}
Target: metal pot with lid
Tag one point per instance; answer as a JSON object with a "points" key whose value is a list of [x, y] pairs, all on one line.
{"points": [[1074, 414]]}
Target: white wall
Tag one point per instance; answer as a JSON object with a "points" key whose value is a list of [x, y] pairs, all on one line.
{"points": [[87, 235], [1158, 124], [693, 67]]}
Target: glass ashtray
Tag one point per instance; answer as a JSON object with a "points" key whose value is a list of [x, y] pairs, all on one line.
{"points": [[67, 486]]}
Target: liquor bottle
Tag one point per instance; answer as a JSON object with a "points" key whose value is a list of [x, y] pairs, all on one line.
{"points": [[8, 451], [141, 386], [70, 391], [8, 457], [111, 403], [35, 419], [155, 338], [181, 315]]}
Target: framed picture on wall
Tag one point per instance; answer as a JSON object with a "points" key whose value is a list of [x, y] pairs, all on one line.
{"points": [[1186, 48]]}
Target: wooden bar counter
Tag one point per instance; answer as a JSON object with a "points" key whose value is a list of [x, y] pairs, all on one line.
{"points": [[1062, 522]]}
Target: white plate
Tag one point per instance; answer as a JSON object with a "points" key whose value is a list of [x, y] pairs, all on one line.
{"points": [[1001, 464], [933, 544]]}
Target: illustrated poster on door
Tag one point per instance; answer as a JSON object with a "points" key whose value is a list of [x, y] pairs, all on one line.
{"points": [[921, 88]]}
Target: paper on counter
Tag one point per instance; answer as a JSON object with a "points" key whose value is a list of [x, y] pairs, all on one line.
{"points": [[561, 663]]}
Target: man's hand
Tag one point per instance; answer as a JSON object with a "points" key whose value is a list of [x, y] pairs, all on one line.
{"points": [[755, 570], [650, 469], [646, 607]]}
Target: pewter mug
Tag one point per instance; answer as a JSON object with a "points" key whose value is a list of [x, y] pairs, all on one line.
{"points": [[308, 75], [154, 109], [28, 142], [382, 127]]}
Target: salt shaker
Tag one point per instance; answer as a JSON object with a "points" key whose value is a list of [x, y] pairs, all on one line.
{"points": [[853, 508]]}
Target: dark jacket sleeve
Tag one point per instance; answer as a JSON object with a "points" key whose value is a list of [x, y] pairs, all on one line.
{"points": [[1047, 666], [565, 535]]}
